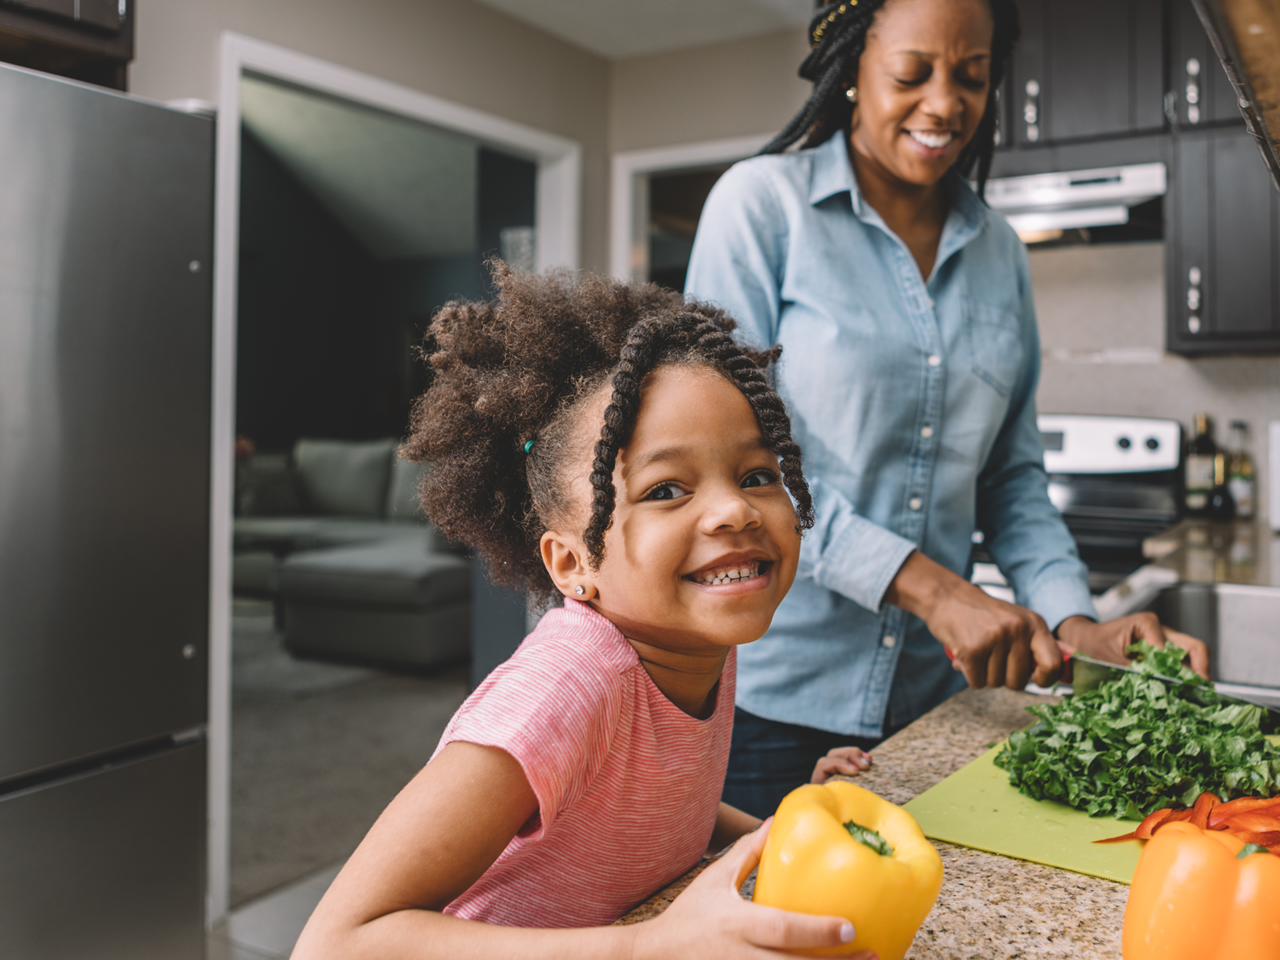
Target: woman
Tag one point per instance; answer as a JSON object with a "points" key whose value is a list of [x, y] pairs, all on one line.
{"points": [[910, 361]]}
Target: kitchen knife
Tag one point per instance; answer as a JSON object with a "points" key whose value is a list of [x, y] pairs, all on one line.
{"points": [[1088, 674]]}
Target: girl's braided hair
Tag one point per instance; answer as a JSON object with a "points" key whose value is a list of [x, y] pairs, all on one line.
{"points": [[838, 35], [499, 424]]}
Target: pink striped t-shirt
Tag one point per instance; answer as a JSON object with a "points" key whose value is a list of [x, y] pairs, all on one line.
{"points": [[628, 785]]}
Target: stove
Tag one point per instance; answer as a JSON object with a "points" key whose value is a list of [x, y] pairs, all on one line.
{"points": [[1117, 481]]}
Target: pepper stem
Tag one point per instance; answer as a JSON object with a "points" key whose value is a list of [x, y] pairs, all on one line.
{"points": [[1251, 848], [872, 839]]}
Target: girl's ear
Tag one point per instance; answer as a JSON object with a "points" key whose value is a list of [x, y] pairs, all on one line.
{"points": [[565, 558]]}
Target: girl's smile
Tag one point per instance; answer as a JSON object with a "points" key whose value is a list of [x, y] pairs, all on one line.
{"points": [[730, 571]]}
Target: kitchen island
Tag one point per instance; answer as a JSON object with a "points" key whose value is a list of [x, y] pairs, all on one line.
{"points": [[990, 906]]}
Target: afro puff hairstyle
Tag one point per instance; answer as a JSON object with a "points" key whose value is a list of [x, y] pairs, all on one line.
{"points": [[499, 424]]}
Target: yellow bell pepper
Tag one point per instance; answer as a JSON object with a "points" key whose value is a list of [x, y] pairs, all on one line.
{"points": [[885, 883], [1203, 895]]}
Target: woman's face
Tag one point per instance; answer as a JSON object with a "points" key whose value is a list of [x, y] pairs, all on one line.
{"points": [[922, 86]]}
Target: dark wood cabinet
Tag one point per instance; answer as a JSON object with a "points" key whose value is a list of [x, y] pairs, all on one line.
{"points": [[89, 40], [1223, 224], [1086, 70], [1199, 92], [104, 14]]}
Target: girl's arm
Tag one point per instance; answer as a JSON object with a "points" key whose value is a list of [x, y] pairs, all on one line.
{"points": [[446, 828], [731, 824]]}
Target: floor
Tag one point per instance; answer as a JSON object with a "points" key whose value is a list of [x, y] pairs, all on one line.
{"points": [[318, 751], [267, 928]]}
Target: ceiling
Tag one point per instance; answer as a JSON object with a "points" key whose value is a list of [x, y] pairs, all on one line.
{"points": [[404, 189], [630, 28]]}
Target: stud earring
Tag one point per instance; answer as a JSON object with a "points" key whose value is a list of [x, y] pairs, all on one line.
{"points": [[579, 589], [852, 94]]}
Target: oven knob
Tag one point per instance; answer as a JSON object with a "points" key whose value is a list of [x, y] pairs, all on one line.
{"points": [[1153, 443], [1124, 443]]}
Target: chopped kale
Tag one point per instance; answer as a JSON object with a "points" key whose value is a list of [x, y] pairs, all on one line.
{"points": [[1140, 742]]}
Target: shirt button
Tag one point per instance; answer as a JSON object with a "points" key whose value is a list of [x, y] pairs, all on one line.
{"points": [[935, 360], [889, 641], [915, 503], [926, 432]]}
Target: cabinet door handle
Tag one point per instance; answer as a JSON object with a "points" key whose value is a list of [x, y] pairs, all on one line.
{"points": [[1194, 276], [1031, 110], [1193, 90]]}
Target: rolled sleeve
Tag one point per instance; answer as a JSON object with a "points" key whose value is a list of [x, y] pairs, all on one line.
{"points": [[849, 554]]}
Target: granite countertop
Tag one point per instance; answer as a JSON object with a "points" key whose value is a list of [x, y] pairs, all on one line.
{"points": [[990, 906]]}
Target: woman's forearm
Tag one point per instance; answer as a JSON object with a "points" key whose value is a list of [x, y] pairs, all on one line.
{"points": [[920, 585]]}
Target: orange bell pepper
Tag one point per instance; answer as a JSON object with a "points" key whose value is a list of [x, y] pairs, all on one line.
{"points": [[1202, 895], [1225, 811]]}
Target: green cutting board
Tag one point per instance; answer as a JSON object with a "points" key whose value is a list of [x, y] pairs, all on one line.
{"points": [[976, 807]]}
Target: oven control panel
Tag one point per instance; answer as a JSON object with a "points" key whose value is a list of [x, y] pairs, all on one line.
{"points": [[1084, 444]]}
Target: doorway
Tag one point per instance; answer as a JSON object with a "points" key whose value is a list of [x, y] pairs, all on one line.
{"points": [[348, 210], [657, 198]]}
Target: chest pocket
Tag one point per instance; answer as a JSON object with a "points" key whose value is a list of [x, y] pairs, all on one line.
{"points": [[996, 347]]}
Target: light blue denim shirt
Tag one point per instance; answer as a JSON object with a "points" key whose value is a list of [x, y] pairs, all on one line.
{"points": [[914, 404]]}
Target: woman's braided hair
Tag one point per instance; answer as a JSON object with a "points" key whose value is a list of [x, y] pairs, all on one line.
{"points": [[838, 35], [517, 371]]}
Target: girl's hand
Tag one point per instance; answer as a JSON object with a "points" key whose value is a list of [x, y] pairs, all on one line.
{"points": [[846, 760], [711, 919]]}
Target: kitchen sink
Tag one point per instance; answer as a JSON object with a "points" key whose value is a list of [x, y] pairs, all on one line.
{"points": [[1240, 624]]}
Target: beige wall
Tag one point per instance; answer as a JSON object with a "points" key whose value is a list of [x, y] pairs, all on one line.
{"points": [[736, 89], [1101, 313], [453, 49], [1101, 309]]}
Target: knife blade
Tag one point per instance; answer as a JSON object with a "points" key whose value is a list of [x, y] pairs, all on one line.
{"points": [[1088, 673]]}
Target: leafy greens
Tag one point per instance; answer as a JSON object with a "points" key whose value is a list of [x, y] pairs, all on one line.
{"points": [[1141, 742]]}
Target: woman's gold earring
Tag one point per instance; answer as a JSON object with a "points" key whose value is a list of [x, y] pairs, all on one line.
{"points": [[852, 94]]}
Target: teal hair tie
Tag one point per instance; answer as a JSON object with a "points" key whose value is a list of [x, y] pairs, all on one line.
{"points": [[528, 445]]}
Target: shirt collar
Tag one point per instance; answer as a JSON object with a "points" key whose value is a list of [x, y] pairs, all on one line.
{"points": [[833, 174]]}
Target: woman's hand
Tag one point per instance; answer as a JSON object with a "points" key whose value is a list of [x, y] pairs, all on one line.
{"points": [[846, 760], [993, 642], [1110, 641], [711, 919]]}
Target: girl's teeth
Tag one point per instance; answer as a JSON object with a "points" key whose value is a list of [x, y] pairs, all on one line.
{"points": [[730, 575], [932, 140]]}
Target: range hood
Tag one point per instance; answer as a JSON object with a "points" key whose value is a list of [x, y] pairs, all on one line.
{"points": [[1050, 202]]}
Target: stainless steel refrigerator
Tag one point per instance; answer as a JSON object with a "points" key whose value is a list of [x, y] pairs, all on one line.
{"points": [[106, 206]]}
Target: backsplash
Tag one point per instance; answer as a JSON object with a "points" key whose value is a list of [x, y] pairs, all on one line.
{"points": [[1102, 315]]}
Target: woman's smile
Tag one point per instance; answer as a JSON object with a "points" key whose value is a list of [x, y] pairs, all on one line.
{"points": [[934, 143]]}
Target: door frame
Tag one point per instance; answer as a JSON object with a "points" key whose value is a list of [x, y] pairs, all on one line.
{"points": [[557, 220], [629, 199]]}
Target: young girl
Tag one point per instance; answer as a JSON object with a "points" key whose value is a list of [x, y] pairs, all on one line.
{"points": [[610, 444]]}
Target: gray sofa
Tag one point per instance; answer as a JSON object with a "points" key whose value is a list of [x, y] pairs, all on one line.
{"points": [[333, 533]]}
